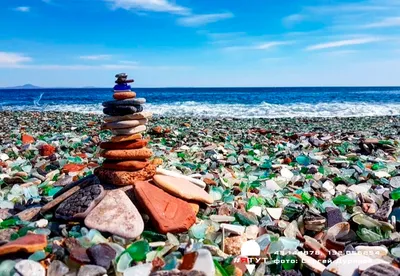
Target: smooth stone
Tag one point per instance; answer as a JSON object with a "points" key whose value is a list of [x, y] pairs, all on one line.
{"points": [[334, 216], [81, 203], [347, 265], [372, 251], [219, 218], [135, 144], [117, 215], [5, 234], [237, 229], [122, 110], [129, 166], [139, 270], [182, 188], [136, 116], [167, 213], [124, 95], [124, 124], [198, 182], [381, 270], [132, 154], [102, 255], [204, 262], [92, 270], [384, 210], [28, 244], [30, 268], [252, 232], [128, 131], [67, 179], [79, 255], [275, 213], [57, 268], [124, 138], [362, 188], [135, 101], [364, 267], [395, 182], [123, 178]]}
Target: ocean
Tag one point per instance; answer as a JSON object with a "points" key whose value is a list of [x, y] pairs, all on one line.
{"points": [[219, 102]]}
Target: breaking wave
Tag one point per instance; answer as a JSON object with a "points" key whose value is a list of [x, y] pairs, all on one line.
{"points": [[263, 110]]}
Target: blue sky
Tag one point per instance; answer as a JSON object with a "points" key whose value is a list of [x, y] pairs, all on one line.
{"points": [[163, 43]]}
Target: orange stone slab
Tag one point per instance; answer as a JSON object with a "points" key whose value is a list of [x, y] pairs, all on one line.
{"points": [[182, 188], [124, 95], [130, 166], [123, 138], [123, 178], [132, 154], [27, 244], [134, 144], [167, 213]]}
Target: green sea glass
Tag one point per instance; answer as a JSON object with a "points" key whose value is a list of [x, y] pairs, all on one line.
{"points": [[138, 250], [344, 200]]}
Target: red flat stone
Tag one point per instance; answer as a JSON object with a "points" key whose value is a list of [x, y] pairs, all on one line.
{"points": [[167, 213], [27, 139], [47, 150], [135, 144], [125, 165], [73, 168], [28, 244]]}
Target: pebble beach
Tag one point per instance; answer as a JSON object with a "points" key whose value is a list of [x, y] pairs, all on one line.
{"points": [[311, 193]]}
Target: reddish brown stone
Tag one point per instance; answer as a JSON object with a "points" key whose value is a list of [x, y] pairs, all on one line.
{"points": [[124, 165], [123, 178], [124, 95], [47, 150], [157, 130], [79, 255], [209, 181], [73, 168], [81, 155], [27, 139], [287, 160], [188, 261], [132, 154], [167, 213], [135, 144], [28, 244], [123, 138]]}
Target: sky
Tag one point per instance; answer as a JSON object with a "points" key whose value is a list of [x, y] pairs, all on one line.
{"points": [[204, 43]]}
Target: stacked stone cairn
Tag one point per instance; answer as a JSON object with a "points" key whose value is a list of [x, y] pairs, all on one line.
{"points": [[126, 155], [170, 200]]}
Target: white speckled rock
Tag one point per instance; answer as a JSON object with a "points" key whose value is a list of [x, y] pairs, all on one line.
{"points": [[30, 268]]}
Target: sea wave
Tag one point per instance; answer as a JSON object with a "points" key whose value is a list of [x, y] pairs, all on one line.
{"points": [[263, 110]]}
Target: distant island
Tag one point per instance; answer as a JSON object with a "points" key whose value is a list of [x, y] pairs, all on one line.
{"points": [[25, 86]]}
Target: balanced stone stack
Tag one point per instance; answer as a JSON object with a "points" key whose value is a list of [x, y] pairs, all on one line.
{"points": [[126, 155]]}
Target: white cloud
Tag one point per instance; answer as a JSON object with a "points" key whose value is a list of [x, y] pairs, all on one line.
{"points": [[8, 59], [22, 9], [387, 22], [342, 43], [293, 19], [95, 57], [203, 19], [260, 46], [149, 5]]}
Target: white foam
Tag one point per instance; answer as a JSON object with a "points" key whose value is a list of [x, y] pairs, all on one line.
{"points": [[263, 110]]}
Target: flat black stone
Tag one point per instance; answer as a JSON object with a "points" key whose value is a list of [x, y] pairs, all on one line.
{"points": [[130, 102], [122, 110]]}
